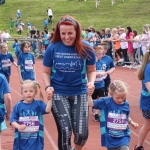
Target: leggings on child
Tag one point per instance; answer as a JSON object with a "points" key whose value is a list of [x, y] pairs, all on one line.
{"points": [[70, 113]]}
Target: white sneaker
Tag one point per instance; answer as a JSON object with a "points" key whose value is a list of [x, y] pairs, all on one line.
{"points": [[120, 60], [125, 66]]}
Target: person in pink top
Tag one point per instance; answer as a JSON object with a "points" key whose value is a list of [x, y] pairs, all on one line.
{"points": [[129, 38]]}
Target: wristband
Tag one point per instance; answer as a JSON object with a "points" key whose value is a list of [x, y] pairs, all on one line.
{"points": [[47, 87]]}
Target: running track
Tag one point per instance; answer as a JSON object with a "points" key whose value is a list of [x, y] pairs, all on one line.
{"points": [[127, 75]]}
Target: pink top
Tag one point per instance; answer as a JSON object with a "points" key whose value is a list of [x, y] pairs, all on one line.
{"points": [[130, 44]]}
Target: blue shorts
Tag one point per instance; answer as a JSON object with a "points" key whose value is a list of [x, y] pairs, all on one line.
{"points": [[146, 114]]}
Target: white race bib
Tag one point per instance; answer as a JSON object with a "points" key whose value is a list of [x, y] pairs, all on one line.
{"points": [[32, 124], [28, 64], [100, 77], [6, 63]]}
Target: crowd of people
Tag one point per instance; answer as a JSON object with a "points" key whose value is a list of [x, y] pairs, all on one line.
{"points": [[77, 65]]}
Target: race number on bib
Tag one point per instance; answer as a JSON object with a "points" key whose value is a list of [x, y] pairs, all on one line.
{"points": [[116, 121], [32, 124], [100, 77], [6, 63], [28, 64]]}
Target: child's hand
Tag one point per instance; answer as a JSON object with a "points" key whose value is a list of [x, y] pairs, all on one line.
{"points": [[134, 124], [49, 92], [21, 127], [91, 88]]}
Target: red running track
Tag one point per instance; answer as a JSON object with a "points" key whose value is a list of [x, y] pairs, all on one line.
{"points": [[127, 75]]}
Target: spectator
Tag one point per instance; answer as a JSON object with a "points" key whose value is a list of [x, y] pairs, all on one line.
{"points": [[50, 15]]}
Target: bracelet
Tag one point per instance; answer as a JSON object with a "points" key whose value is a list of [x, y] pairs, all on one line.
{"points": [[47, 87]]}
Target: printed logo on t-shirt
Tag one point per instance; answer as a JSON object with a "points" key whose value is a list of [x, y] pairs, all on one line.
{"points": [[31, 122], [28, 64], [6, 63]]}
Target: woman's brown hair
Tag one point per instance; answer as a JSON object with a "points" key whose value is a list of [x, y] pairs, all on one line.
{"points": [[81, 48], [146, 59]]}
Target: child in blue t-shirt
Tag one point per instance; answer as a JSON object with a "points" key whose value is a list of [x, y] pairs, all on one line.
{"points": [[5, 104], [99, 81], [108, 66], [6, 59], [115, 110], [27, 118], [16, 47], [26, 63]]}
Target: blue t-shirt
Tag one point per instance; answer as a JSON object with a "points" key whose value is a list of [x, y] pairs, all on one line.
{"points": [[26, 62], [68, 75], [108, 64], [145, 95], [113, 122], [45, 23], [4, 89], [23, 114], [16, 47], [99, 81], [5, 63], [46, 41]]}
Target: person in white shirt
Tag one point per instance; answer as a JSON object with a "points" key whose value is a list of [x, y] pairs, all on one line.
{"points": [[50, 15], [5, 35]]}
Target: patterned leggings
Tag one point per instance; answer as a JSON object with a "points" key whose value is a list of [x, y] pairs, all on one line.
{"points": [[70, 113]]}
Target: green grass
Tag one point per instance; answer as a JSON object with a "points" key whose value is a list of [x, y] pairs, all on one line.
{"points": [[134, 13]]}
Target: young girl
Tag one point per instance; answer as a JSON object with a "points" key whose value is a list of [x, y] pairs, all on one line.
{"points": [[5, 103], [16, 47], [115, 133], [5, 61], [26, 63], [27, 118], [144, 76], [99, 81]]}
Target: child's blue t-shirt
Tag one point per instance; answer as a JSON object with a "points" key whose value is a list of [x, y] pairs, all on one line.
{"points": [[108, 64], [145, 95], [4, 89], [113, 122], [26, 62], [45, 22], [68, 76], [46, 41], [28, 24], [99, 81], [30, 114], [5, 63]]}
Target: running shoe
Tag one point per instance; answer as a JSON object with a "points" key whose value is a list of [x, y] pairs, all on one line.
{"points": [[138, 148]]}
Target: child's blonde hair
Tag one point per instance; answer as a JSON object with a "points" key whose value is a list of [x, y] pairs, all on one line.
{"points": [[23, 45], [119, 86], [2, 45], [97, 49], [105, 46], [35, 85]]}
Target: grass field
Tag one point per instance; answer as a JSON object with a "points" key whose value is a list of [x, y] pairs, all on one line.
{"points": [[134, 13]]}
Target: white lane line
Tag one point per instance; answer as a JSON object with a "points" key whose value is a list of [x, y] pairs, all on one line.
{"points": [[45, 130]]}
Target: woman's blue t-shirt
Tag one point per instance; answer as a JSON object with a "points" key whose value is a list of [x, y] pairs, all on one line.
{"points": [[145, 95], [68, 75]]}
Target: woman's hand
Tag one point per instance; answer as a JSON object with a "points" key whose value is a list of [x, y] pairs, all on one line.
{"points": [[91, 88], [49, 92]]}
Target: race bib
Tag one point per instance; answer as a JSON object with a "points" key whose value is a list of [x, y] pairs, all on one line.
{"points": [[6, 63], [116, 121], [99, 77], [28, 64], [32, 124]]}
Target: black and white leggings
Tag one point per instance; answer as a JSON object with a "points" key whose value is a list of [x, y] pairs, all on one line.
{"points": [[70, 114]]}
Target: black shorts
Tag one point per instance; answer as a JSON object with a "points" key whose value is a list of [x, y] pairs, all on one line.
{"points": [[98, 93], [146, 114]]}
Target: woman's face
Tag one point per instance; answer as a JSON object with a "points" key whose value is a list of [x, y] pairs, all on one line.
{"points": [[67, 34]]}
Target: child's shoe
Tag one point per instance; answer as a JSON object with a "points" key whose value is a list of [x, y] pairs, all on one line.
{"points": [[138, 148]]}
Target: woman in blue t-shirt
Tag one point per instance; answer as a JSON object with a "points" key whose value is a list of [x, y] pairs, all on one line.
{"points": [[68, 61], [144, 76]]}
